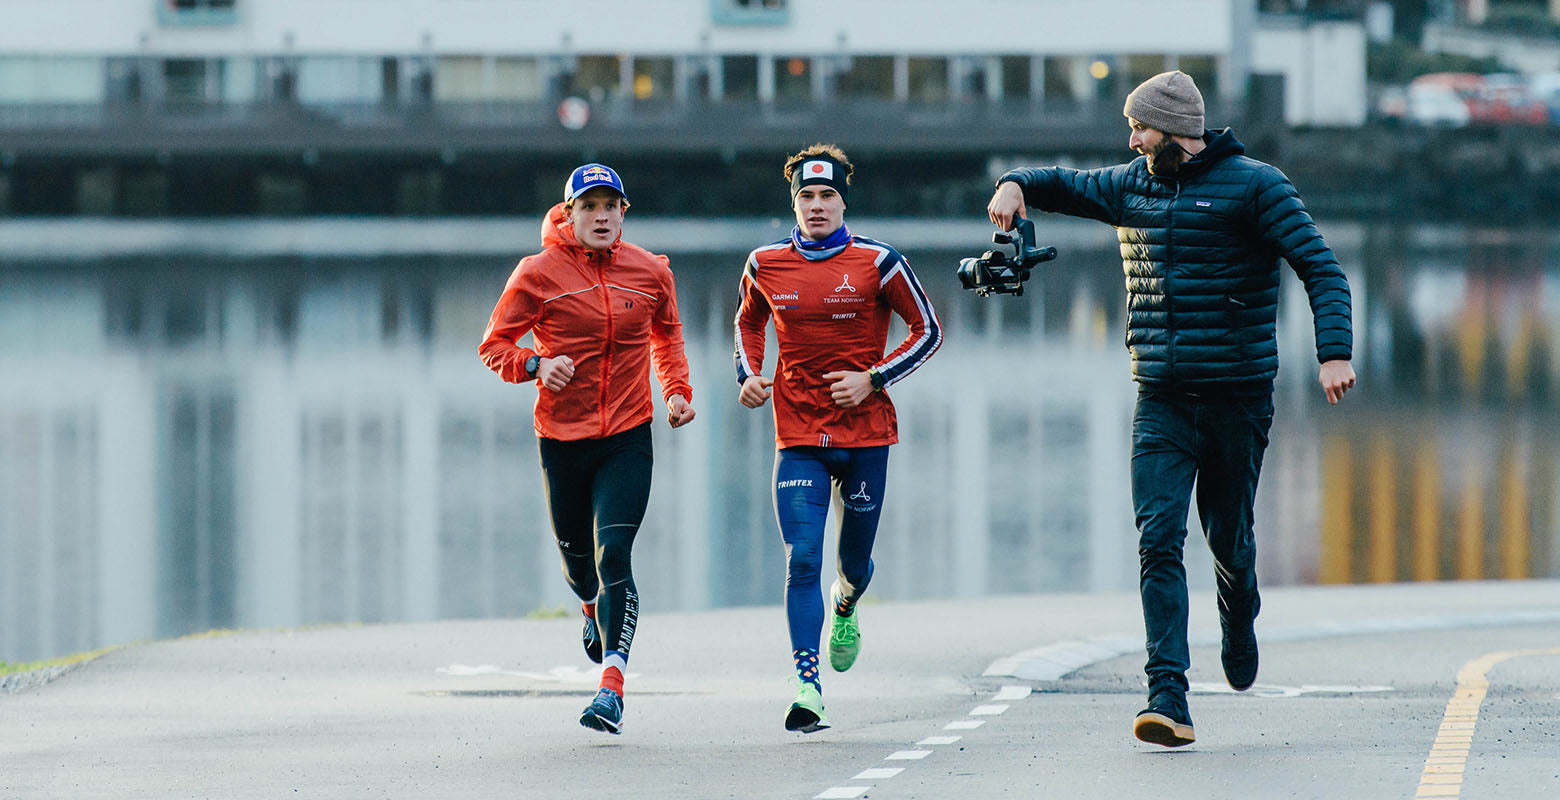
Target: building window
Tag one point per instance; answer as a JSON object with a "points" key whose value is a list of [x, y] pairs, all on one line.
{"points": [[868, 77], [1204, 71], [793, 79], [197, 12], [51, 79], [1015, 77], [595, 78], [350, 79], [191, 80], [739, 77], [928, 80], [1139, 68], [654, 78], [749, 12]]}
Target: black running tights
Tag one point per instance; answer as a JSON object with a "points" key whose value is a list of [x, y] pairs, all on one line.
{"points": [[597, 490]]}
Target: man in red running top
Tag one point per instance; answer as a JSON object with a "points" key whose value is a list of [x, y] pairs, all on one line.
{"points": [[830, 295], [601, 311]]}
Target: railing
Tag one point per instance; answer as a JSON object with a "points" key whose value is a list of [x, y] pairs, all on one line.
{"points": [[664, 126]]}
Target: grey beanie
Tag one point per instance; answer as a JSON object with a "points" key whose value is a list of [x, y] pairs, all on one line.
{"points": [[1168, 102]]}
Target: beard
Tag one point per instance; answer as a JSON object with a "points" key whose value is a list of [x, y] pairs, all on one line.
{"points": [[1165, 158]]}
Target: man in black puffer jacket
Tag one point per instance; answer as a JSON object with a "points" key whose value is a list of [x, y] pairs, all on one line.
{"points": [[1202, 228]]}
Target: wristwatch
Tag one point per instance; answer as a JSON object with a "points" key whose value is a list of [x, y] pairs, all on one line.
{"points": [[533, 364], [878, 381]]}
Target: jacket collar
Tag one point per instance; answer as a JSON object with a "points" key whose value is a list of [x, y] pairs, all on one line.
{"points": [[1218, 145], [558, 232]]}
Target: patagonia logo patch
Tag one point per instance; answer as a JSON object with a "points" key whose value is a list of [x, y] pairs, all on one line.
{"points": [[1204, 204]]}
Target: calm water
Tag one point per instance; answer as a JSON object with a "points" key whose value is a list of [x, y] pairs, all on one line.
{"points": [[191, 440]]}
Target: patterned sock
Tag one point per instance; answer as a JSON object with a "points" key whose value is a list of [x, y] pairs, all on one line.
{"points": [[613, 665], [807, 666], [844, 608]]}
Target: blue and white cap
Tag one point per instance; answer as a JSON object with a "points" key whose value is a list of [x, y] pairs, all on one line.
{"points": [[590, 176]]}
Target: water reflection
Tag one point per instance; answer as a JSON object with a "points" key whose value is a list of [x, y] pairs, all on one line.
{"points": [[196, 443]]}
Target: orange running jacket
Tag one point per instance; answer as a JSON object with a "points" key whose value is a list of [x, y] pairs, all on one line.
{"points": [[613, 314]]}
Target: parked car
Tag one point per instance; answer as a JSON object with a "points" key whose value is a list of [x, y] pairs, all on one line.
{"points": [[1442, 98], [1391, 105], [1504, 99], [1545, 88]]}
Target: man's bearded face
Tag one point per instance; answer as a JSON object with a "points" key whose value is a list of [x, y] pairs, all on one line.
{"points": [[1165, 157]]}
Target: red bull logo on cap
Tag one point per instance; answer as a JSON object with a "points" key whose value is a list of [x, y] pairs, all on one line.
{"points": [[590, 176]]}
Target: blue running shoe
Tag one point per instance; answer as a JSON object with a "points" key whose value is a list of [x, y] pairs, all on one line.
{"points": [[591, 638], [605, 713]]}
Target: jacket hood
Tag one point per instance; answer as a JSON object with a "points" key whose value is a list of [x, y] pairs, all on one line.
{"points": [[557, 230], [1219, 146]]}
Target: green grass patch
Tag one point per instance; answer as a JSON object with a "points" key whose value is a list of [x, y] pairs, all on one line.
{"points": [[17, 667], [545, 612]]}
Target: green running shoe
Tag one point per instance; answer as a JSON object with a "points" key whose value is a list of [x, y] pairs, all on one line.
{"points": [[844, 634], [806, 714]]}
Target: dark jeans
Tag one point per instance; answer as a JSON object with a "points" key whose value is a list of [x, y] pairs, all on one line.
{"points": [[597, 491], [1215, 440]]}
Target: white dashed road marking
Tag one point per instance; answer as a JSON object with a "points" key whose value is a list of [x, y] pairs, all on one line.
{"points": [[884, 773], [1010, 693]]}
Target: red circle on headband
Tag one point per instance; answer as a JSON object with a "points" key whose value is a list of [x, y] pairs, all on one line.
{"points": [[816, 168]]}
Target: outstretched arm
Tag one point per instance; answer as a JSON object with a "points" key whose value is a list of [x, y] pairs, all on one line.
{"points": [[1092, 193]]}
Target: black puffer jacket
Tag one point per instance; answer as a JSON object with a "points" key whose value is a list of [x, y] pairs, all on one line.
{"points": [[1201, 253]]}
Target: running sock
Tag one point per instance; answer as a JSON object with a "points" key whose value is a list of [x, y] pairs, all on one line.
{"points": [[589, 609], [843, 608], [807, 666], [613, 665]]}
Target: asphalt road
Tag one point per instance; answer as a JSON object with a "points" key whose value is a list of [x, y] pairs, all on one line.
{"points": [[1027, 697]]}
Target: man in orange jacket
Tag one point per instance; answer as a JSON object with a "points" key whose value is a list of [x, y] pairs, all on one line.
{"points": [[601, 312]]}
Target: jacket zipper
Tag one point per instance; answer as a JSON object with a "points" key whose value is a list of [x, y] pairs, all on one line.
{"points": [[1169, 296], [606, 348]]}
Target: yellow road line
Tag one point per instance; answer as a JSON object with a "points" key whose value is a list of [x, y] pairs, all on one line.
{"points": [[1442, 776]]}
